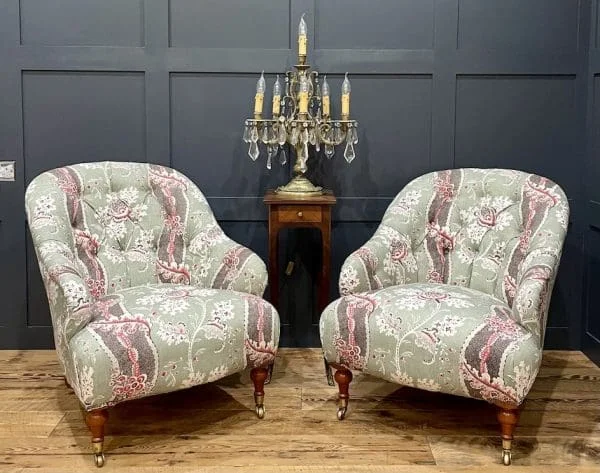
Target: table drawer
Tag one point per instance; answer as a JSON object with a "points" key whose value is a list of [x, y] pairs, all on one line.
{"points": [[295, 214]]}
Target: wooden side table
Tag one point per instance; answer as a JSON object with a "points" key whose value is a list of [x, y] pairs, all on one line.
{"points": [[287, 211]]}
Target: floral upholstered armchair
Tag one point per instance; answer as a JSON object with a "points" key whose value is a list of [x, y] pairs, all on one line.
{"points": [[451, 294], [140, 276]]}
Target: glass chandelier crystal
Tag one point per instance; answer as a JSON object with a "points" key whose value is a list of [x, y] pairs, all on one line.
{"points": [[301, 116]]}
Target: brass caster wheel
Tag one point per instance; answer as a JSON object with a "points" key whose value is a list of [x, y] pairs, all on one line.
{"points": [[506, 457], [260, 412], [99, 459], [341, 413]]}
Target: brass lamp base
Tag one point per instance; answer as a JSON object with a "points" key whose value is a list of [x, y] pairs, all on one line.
{"points": [[300, 185]]}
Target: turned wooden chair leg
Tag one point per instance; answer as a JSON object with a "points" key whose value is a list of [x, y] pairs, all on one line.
{"points": [[343, 377], [508, 416], [258, 377], [95, 421]]}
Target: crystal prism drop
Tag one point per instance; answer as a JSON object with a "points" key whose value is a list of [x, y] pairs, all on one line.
{"points": [[305, 136], [302, 153], [294, 137], [246, 136], [282, 157], [265, 134], [253, 151], [338, 135], [269, 158], [253, 134], [312, 137], [354, 135], [349, 152], [282, 136], [317, 146], [329, 151]]}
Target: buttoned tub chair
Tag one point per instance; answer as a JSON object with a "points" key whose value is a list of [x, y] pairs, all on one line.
{"points": [[451, 294], [140, 277]]}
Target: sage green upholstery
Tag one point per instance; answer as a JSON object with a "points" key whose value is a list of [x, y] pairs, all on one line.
{"points": [[146, 292], [451, 294]]}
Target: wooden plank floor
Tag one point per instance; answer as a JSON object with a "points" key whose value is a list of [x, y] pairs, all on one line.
{"points": [[212, 428]]}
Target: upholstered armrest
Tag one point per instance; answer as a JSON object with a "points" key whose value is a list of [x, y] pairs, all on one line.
{"points": [[218, 262], [385, 260], [533, 289], [363, 270], [68, 294]]}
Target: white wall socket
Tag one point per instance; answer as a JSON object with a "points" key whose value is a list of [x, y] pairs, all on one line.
{"points": [[7, 170]]}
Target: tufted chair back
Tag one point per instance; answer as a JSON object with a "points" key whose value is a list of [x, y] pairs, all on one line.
{"points": [[127, 223], [487, 229], [119, 225]]}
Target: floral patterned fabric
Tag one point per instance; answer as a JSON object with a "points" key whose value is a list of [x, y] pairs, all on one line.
{"points": [[140, 278], [489, 242]]}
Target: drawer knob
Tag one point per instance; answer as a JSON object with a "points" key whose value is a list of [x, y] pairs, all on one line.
{"points": [[300, 214]]}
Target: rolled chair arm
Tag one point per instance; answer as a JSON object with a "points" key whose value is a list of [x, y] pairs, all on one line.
{"points": [[363, 270], [385, 260], [533, 290], [218, 262], [68, 294]]}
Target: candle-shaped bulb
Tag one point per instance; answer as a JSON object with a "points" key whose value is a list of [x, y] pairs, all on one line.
{"points": [[346, 98], [346, 85], [325, 87], [325, 97], [303, 94], [302, 29], [261, 86], [276, 97], [277, 86], [302, 37]]}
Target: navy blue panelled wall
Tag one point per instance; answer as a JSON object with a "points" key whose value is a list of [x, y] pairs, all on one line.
{"points": [[435, 84], [590, 206]]}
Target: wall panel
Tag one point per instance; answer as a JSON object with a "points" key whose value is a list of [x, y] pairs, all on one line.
{"points": [[520, 122], [592, 322], [82, 22], [594, 164], [377, 24], [229, 23], [71, 117], [524, 25]]}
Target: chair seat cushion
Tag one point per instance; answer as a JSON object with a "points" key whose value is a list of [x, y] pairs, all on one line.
{"points": [[436, 337], [158, 338]]}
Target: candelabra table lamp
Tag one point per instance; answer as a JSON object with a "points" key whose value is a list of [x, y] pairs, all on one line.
{"points": [[301, 117]]}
